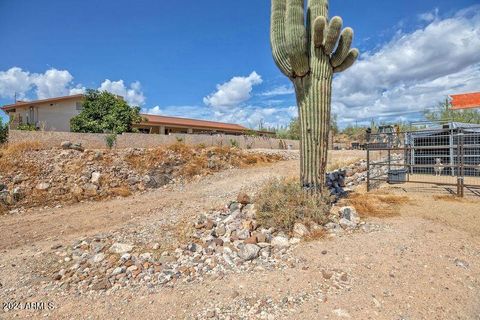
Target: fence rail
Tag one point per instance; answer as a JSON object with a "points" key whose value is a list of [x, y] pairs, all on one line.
{"points": [[442, 157]]}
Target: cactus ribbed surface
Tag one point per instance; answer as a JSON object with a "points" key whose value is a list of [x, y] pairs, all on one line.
{"points": [[309, 55]]}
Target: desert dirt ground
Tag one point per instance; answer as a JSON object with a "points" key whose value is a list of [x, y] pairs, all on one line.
{"points": [[421, 264]]}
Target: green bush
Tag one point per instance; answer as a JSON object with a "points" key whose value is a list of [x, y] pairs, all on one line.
{"points": [[281, 203], [234, 143], [26, 127], [105, 112], [111, 140], [3, 132]]}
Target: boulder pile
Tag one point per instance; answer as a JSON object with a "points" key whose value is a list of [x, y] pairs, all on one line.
{"points": [[71, 174], [222, 241]]}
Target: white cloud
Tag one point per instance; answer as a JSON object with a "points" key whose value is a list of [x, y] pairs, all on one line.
{"points": [[55, 83], [52, 83], [14, 80], [429, 16], [233, 92], [133, 94], [278, 91], [413, 71]]}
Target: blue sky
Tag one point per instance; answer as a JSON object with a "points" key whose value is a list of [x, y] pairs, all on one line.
{"points": [[211, 59]]}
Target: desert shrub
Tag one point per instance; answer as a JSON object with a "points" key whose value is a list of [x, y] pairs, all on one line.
{"points": [[179, 139], [281, 203], [26, 127], [111, 140], [234, 143]]}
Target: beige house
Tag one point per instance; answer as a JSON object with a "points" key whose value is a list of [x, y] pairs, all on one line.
{"points": [[54, 115]]}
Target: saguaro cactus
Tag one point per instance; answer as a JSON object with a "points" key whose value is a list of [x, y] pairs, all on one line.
{"points": [[309, 56]]}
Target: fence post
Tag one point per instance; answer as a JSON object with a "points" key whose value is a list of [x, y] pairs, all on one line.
{"points": [[460, 163]]}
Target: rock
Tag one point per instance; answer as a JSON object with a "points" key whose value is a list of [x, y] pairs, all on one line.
{"points": [[19, 178], [334, 227], [118, 270], [66, 144], [42, 186], [350, 214], [90, 189], [76, 191], [341, 313], [347, 224], [280, 242], [300, 230], [3, 186], [461, 263], [132, 180], [220, 231], [251, 240], [125, 257], [102, 285], [192, 247], [96, 178], [120, 248], [77, 146], [249, 252], [294, 241], [17, 194], [243, 234], [99, 257], [243, 198]]}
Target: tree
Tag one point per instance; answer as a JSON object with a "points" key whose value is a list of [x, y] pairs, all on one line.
{"points": [[443, 112], [104, 112], [3, 131], [305, 54]]}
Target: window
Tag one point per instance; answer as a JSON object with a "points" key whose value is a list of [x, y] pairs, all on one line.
{"points": [[78, 106]]}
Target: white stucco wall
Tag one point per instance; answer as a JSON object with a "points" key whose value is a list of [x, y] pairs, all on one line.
{"points": [[50, 116]]}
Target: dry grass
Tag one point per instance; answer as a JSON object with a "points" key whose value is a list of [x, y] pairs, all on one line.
{"points": [[281, 203], [12, 157], [376, 204], [191, 161], [316, 235], [121, 191], [335, 164]]}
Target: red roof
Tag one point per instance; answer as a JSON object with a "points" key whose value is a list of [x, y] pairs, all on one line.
{"points": [[465, 101], [184, 122], [27, 103]]}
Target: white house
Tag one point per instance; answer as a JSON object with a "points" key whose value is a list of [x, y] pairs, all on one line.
{"points": [[52, 114]]}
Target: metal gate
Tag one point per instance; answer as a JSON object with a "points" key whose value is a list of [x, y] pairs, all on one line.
{"points": [[448, 155]]}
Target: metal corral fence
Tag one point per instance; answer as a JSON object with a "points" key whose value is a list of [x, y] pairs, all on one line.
{"points": [[446, 155]]}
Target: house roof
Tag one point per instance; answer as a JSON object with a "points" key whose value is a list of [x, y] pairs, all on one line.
{"points": [[27, 103], [185, 122], [465, 101]]}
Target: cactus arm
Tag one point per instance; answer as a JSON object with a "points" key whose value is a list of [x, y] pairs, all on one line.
{"points": [[343, 47], [333, 32], [296, 34], [315, 9], [348, 62], [278, 40], [319, 31]]}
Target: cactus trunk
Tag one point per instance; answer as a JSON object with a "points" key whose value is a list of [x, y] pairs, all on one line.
{"points": [[310, 55], [313, 100]]}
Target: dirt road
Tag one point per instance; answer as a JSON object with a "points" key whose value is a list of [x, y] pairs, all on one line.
{"points": [[415, 266]]}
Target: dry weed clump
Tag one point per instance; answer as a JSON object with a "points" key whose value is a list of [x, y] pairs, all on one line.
{"points": [[336, 164], [450, 198], [376, 205], [281, 203], [12, 157]]}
